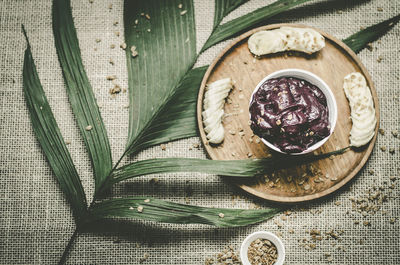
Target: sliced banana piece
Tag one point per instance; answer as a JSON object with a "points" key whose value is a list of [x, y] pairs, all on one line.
{"points": [[362, 109], [286, 39], [213, 109]]}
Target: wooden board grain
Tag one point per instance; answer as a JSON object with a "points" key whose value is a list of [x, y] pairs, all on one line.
{"points": [[295, 184]]}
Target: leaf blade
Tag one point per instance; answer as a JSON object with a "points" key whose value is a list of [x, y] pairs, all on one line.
{"points": [[223, 8], [80, 91], [50, 139], [170, 39], [234, 168], [177, 118], [359, 40], [169, 212], [235, 26]]}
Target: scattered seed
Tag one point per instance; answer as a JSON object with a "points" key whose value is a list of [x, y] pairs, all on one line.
{"points": [[392, 178], [392, 220], [140, 209], [278, 122], [232, 132], [366, 223], [391, 150], [163, 147], [123, 46], [383, 148], [112, 46], [154, 181], [110, 6], [133, 51], [136, 21], [67, 142], [144, 258], [111, 77], [380, 9], [117, 33], [98, 40], [147, 16], [183, 12], [111, 61], [307, 187], [380, 58], [249, 154], [115, 23], [381, 131], [180, 6], [88, 128], [148, 30], [369, 47], [395, 133], [91, 1], [115, 90], [147, 200], [221, 215], [130, 208]]}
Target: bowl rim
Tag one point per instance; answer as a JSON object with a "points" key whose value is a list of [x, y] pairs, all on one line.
{"points": [[326, 90], [280, 247]]}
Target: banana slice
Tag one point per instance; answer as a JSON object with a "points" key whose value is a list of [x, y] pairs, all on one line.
{"points": [[213, 109], [362, 109], [286, 39]]}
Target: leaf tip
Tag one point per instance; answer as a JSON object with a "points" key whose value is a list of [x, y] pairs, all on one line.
{"points": [[24, 32]]}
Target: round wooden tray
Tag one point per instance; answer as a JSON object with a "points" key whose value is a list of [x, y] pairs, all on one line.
{"points": [[295, 184]]}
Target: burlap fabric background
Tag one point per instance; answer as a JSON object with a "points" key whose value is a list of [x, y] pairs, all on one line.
{"points": [[35, 221]]}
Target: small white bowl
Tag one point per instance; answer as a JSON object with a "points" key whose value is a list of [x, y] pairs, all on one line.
{"points": [[318, 82], [265, 235]]}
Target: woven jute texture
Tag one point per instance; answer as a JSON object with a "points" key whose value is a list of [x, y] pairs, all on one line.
{"points": [[36, 222]]}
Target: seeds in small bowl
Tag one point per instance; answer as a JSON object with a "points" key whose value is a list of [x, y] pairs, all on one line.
{"points": [[262, 251], [262, 247]]}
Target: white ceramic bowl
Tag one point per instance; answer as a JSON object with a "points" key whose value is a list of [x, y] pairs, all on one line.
{"points": [[315, 80], [266, 235]]}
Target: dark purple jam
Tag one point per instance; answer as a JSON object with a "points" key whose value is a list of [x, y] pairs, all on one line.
{"points": [[290, 113]]}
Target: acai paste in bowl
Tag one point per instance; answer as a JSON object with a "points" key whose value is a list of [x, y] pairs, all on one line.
{"points": [[290, 113]]}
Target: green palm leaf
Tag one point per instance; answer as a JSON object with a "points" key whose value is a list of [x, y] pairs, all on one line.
{"points": [[177, 118], [359, 40], [223, 8], [235, 26], [235, 168], [50, 138], [165, 40], [80, 92], [169, 212]]}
